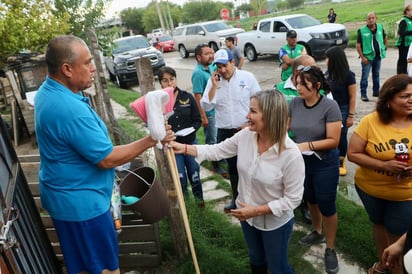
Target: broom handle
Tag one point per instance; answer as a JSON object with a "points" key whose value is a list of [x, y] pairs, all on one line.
{"points": [[175, 177]]}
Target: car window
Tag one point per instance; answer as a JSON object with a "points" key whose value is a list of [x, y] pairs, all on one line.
{"points": [[264, 26], [302, 22], [191, 30], [130, 44], [279, 27], [213, 27], [178, 32]]}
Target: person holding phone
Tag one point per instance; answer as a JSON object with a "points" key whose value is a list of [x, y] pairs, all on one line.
{"points": [[229, 91]]}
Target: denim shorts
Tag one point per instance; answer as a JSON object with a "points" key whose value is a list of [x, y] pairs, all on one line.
{"points": [[321, 180], [396, 216]]}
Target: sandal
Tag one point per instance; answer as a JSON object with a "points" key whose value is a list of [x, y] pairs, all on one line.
{"points": [[374, 269]]}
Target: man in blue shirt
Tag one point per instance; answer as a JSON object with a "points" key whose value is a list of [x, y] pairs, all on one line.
{"points": [[77, 159], [201, 74]]}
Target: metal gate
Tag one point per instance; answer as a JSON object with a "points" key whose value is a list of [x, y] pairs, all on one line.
{"points": [[24, 244]]}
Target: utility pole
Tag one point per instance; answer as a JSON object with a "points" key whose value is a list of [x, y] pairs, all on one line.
{"points": [[159, 13]]}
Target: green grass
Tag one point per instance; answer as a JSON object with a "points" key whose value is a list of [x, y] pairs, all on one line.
{"points": [[349, 12], [219, 244]]}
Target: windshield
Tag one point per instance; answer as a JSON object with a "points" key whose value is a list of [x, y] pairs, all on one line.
{"points": [[165, 38], [303, 21], [130, 44], [213, 27]]}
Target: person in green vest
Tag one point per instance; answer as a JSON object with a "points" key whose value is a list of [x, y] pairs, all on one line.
{"points": [[371, 46], [288, 53], [404, 39]]}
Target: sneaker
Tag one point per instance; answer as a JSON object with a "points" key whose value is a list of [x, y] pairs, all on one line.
{"points": [[312, 239], [229, 207], [331, 261], [365, 98]]}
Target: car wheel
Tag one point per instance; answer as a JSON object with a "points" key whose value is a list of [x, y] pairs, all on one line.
{"points": [[250, 52], [214, 47], [112, 77], [120, 83], [183, 52]]}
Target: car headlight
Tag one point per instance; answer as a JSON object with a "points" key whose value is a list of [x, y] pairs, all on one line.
{"points": [[318, 35], [122, 65]]}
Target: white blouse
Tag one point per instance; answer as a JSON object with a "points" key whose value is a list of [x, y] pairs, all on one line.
{"points": [[269, 178]]}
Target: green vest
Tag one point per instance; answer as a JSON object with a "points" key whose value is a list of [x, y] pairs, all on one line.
{"points": [[292, 54], [367, 42], [289, 93], [407, 38]]}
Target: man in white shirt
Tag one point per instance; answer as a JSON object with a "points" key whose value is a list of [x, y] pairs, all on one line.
{"points": [[229, 91]]}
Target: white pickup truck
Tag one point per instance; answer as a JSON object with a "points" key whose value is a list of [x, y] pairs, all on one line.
{"points": [[270, 36]]}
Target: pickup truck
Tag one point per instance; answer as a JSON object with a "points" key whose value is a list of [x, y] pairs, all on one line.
{"points": [[270, 36], [121, 62]]}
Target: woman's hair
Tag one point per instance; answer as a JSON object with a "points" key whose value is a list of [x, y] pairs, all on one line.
{"points": [[275, 114], [164, 70], [313, 75], [338, 65], [389, 89]]}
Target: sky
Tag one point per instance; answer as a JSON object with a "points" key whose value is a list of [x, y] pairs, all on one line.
{"points": [[119, 5]]}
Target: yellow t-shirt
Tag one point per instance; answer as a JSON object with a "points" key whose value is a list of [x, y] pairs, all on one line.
{"points": [[381, 140]]}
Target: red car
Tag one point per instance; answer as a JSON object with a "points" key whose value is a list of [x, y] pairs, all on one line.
{"points": [[164, 43]]}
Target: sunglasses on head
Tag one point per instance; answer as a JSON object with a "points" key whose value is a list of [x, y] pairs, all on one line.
{"points": [[303, 68]]}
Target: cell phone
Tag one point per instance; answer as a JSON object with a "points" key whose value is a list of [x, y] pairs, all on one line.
{"points": [[218, 76]]}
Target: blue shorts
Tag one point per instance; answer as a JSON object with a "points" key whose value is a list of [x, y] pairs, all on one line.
{"points": [[89, 246], [321, 180], [394, 215]]}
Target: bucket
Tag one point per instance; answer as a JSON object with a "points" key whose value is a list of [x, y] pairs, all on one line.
{"points": [[153, 203]]}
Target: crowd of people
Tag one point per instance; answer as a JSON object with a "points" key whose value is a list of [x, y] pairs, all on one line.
{"points": [[296, 135]]}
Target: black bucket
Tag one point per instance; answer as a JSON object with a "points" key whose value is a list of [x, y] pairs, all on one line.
{"points": [[153, 203]]}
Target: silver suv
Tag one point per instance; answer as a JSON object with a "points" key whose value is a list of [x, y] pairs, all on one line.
{"points": [[213, 33]]}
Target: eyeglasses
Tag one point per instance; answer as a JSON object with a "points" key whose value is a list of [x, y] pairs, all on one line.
{"points": [[167, 81], [304, 68]]}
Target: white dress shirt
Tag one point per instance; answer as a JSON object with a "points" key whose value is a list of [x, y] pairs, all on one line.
{"points": [[232, 99], [269, 178]]}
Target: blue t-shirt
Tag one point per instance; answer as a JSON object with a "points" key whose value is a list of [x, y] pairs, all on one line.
{"points": [[200, 76], [72, 140]]}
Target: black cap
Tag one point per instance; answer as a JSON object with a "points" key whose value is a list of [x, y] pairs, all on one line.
{"points": [[291, 34]]}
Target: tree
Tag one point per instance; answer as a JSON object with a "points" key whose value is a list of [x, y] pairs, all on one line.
{"points": [[258, 5], [204, 10], [151, 17], [28, 26], [83, 14], [132, 18]]}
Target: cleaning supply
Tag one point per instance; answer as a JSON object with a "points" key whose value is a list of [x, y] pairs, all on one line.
{"points": [[129, 199]]}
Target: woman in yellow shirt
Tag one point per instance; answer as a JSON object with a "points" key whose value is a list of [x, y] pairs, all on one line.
{"points": [[379, 146]]}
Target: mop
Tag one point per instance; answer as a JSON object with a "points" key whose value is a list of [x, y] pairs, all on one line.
{"points": [[152, 109]]}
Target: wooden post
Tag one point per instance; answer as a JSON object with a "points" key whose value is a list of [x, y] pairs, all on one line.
{"points": [[104, 107], [145, 74]]}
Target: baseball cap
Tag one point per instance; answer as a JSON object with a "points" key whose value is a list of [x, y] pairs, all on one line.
{"points": [[291, 34], [223, 56]]}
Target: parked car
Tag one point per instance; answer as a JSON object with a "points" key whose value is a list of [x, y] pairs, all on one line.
{"points": [[270, 36], [164, 43], [213, 33], [121, 63]]}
